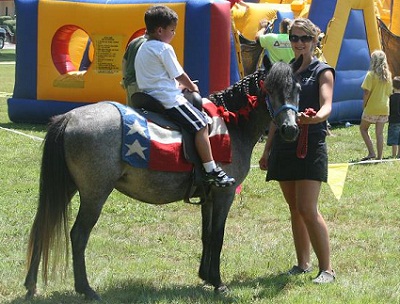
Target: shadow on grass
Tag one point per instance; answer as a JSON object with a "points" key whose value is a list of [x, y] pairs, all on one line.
{"points": [[268, 287], [137, 291]]}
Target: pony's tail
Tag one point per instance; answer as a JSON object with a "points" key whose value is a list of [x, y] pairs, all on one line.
{"points": [[55, 192]]}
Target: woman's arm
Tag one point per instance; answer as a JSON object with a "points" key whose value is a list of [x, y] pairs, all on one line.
{"points": [[325, 100], [263, 162]]}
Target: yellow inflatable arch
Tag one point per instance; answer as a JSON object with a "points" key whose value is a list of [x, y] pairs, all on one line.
{"points": [[247, 17], [332, 46], [395, 24]]}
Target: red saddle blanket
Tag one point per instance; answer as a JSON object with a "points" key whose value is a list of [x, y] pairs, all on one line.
{"points": [[148, 145]]}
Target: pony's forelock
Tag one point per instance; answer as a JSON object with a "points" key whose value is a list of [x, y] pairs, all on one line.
{"points": [[280, 74]]}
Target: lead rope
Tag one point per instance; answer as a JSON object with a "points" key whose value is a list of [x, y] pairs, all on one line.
{"points": [[302, 144]]}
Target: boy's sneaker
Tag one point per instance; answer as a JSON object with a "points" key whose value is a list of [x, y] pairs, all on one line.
{"points": [[219, 178]]}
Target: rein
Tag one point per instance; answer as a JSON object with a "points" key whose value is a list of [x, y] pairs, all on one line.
{"points": [[302, 145]]}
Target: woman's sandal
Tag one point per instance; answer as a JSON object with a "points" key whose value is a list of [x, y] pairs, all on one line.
{"points": [[296, 270], [325, 277]]}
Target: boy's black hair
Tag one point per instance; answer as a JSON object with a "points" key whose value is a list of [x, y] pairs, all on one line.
{"points": [[396, 82], [159, 16]]}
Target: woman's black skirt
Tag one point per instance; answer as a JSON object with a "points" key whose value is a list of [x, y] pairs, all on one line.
{"points": [[284, 165]]}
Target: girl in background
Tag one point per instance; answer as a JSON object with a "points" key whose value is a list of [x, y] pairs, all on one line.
{"points": [[377, 87]]}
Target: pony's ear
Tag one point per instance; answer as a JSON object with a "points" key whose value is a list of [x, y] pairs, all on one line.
{"points": [[297, 64], [267, 63]]}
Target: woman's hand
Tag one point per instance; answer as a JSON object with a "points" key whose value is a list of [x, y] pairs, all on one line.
{"points": [[307, 117], [263, 162]]}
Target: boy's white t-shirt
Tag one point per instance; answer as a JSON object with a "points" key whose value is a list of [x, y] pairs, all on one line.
{"points": [[156, 68]]}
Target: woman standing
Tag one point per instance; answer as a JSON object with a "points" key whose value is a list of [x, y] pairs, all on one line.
{"points": [[300, 177], [377, 87]]}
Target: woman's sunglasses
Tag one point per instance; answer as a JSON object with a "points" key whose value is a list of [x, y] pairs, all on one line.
{"points": [[305, 38]]}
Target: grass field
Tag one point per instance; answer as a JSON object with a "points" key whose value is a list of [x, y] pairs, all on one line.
{"points": [[140, 253]]}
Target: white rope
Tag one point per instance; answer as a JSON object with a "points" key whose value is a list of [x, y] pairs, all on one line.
{"points": [[372, 161], [23, 134], [363, 162]]}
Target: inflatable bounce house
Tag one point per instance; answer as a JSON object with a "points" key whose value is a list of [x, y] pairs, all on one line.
{"points": [[389, 25], [351, 35], [69, 53]]}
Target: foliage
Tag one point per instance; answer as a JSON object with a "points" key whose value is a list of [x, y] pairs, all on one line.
{"points": [[11, 24], [5, 18], [140, 253]]}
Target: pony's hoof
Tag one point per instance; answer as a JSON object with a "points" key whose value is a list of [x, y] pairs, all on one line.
{"points": [[92, 296], [222, 289], [30, 294]]}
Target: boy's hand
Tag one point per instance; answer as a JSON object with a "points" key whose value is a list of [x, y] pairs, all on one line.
{"points": [[186, 82]]}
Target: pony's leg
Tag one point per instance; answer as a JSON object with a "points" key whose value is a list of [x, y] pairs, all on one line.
{"points": [[87, 217], [206, 213], [214, 215]]}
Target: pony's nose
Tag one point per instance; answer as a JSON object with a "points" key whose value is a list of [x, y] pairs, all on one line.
{"points": [[289, 133]]}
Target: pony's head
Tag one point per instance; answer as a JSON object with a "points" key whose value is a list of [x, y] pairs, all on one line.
{"points": [[282, 96]]}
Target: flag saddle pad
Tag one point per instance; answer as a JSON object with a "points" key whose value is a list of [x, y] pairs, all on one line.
{"points": [[150, 141]]}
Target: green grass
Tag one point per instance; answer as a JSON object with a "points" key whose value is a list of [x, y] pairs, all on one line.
{"points": [[140, 253], [7, 55]]}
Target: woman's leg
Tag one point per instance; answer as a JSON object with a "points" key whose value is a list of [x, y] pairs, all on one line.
{"points": [[300, 234], [307, 193]]}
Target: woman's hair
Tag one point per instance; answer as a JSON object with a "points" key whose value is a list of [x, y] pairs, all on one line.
{"points": [[307, 26], [379, 65]]}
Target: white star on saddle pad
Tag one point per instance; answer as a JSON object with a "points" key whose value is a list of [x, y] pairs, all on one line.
{"points": [[136, 127], [136, 148]]}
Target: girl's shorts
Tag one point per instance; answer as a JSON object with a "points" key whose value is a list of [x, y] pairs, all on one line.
{"points": [[375, 118]]}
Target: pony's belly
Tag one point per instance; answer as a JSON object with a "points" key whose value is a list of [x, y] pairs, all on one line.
{"points": [[153, 187]]}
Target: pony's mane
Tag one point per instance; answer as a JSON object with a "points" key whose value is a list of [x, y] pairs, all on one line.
{"points": [[236, 96]]}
